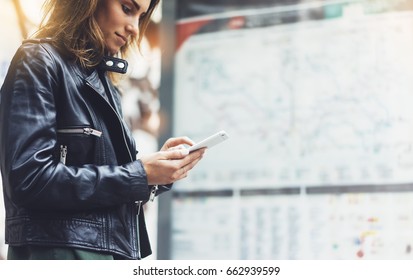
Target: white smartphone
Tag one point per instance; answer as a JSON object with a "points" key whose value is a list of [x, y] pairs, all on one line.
{"points": [[210, 141]]}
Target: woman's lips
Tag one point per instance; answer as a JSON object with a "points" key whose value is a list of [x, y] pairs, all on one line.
{"points": [[123, 38]]}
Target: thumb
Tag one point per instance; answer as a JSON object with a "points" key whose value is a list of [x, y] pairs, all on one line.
{"points": [[176, 154], [177, 147]]}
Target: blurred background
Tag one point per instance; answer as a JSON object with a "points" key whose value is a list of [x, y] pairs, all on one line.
{"points": [[316, 98]]}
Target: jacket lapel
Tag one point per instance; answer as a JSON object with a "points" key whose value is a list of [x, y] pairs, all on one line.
{"points": [[95, 83]]}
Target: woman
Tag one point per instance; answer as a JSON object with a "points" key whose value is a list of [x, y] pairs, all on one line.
{"points": [[73, 188]]}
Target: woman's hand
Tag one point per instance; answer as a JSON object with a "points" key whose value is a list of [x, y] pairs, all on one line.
{"points": [[172, 162]]}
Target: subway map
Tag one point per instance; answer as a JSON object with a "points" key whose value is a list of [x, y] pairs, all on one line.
{"points": [[319, 163], [312, 103]]}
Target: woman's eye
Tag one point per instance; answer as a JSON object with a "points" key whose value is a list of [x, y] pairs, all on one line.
{"points": [[126, 9]]}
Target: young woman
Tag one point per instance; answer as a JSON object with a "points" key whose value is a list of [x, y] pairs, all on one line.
{"points": [[73, 188]]}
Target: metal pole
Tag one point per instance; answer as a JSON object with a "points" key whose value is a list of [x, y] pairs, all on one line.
{"points": [[166, 98]]}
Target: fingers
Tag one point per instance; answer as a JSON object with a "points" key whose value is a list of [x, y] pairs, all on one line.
{"points": [[169, 166], [180, 152], [186, 168], [184, 165], [173, 153], [177, 147], [183, 171], [190, 161], [173, 142]]}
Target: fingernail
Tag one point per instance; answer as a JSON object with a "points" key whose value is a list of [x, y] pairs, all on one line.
{"points": [[184, 152]]}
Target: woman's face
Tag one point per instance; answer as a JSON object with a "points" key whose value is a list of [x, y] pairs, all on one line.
{"points": [[119, 21]]}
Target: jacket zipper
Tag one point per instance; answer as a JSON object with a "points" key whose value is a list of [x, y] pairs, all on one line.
{"points": [[153, 192], [117, 116], [84, 130], [63, 154], [138, 203], [138, 206]]}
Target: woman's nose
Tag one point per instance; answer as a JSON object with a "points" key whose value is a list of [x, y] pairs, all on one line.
{"points": [[133, 28]]}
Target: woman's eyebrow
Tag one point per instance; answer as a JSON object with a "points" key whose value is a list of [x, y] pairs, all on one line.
{"points": [[136, 5]]}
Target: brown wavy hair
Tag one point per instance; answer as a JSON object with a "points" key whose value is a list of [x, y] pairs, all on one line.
{"points": [[73, 27]]}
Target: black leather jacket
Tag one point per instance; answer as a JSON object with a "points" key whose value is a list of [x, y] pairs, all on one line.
{"points": [[68, 161]]}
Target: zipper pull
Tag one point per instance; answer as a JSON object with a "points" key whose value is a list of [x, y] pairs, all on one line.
{"points": [[63, 154], [153, 192], [91, 131]]}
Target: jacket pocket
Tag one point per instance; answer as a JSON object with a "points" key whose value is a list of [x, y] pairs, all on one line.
{"points": [[77, 145]]}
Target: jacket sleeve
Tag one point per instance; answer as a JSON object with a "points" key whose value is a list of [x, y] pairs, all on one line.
{"points": [[32, 177]]}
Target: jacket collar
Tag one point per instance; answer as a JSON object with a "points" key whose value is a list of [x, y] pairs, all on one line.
{"points": [[113, 64]]}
